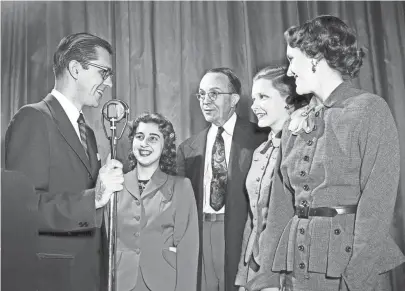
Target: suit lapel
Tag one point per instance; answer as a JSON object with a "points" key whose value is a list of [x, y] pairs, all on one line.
{"points": [[66, 129], [155, 183], [197, 148], [239, 161], [92, 148]]}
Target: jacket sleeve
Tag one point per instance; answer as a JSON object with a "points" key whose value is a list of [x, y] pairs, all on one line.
{"points": [[186, 236], [374, 251], [241, 275], [280, 212], [27, 150]]}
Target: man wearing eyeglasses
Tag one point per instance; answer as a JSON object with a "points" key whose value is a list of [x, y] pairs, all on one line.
{"points": [[52, 145], [216, 161]]}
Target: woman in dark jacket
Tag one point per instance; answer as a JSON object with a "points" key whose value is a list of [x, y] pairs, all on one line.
{"points": [[333, 199]]}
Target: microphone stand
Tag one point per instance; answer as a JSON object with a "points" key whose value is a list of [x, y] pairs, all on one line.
{"points": [[121, 110]]}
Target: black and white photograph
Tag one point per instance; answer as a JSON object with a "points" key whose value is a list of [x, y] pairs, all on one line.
{"points": [[202, 145]]}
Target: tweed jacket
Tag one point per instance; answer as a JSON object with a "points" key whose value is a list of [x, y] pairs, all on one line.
{"points": [[157, 234], [351, 157], [258, 184]]}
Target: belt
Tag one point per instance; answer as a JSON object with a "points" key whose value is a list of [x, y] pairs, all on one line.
{"points": [[213, 217], [306, 211], [67, 233]]}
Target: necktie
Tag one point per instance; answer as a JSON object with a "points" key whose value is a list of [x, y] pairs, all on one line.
{"points": [[219, 172], [83, 133]]}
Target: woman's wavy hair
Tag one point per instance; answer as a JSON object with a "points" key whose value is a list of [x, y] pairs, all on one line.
{"points": [[167, 162], [284, 84], [330, 38]]}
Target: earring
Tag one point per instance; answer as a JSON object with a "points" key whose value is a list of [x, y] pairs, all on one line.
{"points": [[314, 66]]}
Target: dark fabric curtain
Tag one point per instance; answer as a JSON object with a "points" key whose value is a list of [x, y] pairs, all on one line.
{"points": [[163, 48]]}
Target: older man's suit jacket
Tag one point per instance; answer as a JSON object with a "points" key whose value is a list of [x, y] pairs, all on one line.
{"points": [[42, 143], [190, 162]]}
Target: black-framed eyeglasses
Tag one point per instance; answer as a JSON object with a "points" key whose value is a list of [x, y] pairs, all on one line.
{"points": [[212, 96], [106, 72]]}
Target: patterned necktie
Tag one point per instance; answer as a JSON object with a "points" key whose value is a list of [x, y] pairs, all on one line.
{"points": [[219, 172], [83, 133]]}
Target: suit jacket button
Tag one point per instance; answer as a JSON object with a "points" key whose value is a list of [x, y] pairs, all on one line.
{"points": [[137, 217], [348, 249], [302, 173], [302, 265], [337, 231], [310, 142], [89, 176], [302, 230], [306, 158], [137, 251], [306, 187], [137, 202], [301, 248]]}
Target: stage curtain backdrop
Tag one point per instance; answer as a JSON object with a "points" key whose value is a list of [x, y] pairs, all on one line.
{"points": [[163, 49]]}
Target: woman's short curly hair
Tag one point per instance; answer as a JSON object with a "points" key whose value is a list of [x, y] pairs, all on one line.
{"points": [[284, 84], [330, 38], [167, 161]]}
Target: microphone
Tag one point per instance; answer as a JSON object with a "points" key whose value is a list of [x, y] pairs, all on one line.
{"points": [[113, 111]]}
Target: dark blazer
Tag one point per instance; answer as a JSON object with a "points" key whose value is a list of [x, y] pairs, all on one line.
{"points": [[190, 162], [42, 143], [19, 218], [165, 244]]}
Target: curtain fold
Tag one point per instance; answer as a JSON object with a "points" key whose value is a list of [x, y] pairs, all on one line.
{"points": [[164, 48]]}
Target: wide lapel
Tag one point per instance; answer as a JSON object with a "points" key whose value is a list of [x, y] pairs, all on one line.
{"points": [[66, 129], [131, 183], [240, 155], [92, 149], [197, 148], [155, 183]]}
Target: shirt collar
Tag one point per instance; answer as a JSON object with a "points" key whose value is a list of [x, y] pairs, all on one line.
{"points": [[71, 111], [229, 125], [275, 139]]}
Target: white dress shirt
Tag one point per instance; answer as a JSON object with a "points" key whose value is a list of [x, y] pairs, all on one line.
{"points": [[71, 110], [229, 126]]}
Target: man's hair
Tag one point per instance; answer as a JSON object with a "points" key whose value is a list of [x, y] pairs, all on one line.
{"points": [[234, 83], [80, 47]]}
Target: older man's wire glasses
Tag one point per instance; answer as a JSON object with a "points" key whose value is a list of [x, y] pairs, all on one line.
{"points": [[212, 96], [105, 73]]}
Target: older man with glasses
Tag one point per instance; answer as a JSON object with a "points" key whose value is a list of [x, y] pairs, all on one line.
{"points": [[52, 145], [216, 161]]}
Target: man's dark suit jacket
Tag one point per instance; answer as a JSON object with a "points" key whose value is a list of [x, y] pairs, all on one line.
{"points": [[42, 143], [19, 221], [190, 162]]}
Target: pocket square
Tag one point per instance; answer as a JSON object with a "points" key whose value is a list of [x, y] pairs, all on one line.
{"points": [[98, 157], [173, 249]]}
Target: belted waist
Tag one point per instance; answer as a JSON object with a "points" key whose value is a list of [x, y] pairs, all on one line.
{"points": [[213, 217], [306, 211]]}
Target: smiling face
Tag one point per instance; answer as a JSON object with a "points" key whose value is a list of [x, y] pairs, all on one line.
{"points": [[221, 109], [268, 105], [300, 68], [147, 145], [91, 84]]}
